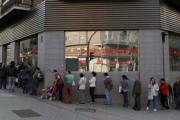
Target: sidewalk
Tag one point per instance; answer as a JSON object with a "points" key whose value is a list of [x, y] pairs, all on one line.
{"points": [[53, 110]]}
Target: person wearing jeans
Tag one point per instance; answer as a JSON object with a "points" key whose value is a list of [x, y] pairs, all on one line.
{"points": [[153, 88], [12, 74], [107, 92], [176, 91], [125, 89], [92, 85], [24, 77]]}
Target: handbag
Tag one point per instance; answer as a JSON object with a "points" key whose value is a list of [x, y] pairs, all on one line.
{"points": [[150, 95], [120, 89]]}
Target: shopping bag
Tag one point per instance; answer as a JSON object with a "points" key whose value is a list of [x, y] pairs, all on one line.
{"points": [[16, 79], [73, 83], [120, 89], [150, 95]]}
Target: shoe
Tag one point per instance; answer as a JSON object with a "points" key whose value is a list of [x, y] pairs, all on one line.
{"points": [[167, 108], [81, 103], [133, 108], [155, 110], [9, 91], [147, 108], [176, 108], [92, 103], [12, 90], [106, 104], [136, 109], [164, 109]]}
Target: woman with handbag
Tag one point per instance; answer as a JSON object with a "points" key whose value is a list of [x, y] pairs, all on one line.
{"points": [[125, 89], [82, 87], [153, 93]]}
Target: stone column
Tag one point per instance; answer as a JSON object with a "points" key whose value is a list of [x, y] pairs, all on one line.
{"points": [[51, 54], [3, 53], [14, 52]]}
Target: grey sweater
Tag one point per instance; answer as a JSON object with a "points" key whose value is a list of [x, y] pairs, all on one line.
{"points": [[106, 81]]}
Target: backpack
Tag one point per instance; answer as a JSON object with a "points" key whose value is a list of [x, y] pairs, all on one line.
{"points": [[170, 89], [40, 77], [110, 85]]}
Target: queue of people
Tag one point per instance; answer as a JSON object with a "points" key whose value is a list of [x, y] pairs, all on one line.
{"points": [[30, 78], [26, 77]]}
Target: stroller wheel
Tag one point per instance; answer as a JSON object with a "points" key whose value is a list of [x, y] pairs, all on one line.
{"points": [[42, 97], [54, 98], [50, 98], [46, 96]]}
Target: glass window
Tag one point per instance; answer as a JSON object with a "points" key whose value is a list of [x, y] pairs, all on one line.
{"points": [[29, 51], [174, 52], [75, 38], [106, 53], [70, 38], [82, 37]]}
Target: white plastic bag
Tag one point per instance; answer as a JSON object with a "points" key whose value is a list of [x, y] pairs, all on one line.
{"points": [[120, 89], [16, 79], [150, 95], [73, 83]]}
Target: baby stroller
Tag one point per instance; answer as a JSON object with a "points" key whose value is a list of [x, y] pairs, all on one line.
{"points": [[50, 92]]}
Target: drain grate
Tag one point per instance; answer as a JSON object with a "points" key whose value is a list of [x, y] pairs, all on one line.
{"points": [[26, 113], [85, 110]]}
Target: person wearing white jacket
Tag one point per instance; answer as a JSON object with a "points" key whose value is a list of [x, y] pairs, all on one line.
{"points": [[92, 84], [82, 87], [153, 90]]}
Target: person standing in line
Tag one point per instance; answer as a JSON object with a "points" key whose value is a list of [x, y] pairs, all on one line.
{"points": [[19, 77], [107, 92], [125, 89], [31, 71], [153, 89], [12, 74], [24, 78], [82, 87], [92, 85], [137, 94], [60, 84], [164, 89], [3, 76], [37, 75], [176, 91], [69, 78]]}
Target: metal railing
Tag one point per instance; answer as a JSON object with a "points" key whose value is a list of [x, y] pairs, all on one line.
{"points": [[10, 3]]}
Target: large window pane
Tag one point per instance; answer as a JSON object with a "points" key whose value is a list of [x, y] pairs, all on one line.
{"points": [[174, 52], [108, 51], [28, 51]]}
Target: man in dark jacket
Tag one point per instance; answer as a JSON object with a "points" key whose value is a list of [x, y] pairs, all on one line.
{"points": [[137, 93], [3, 76], [176, 89], [107, 92], [19, 78]]}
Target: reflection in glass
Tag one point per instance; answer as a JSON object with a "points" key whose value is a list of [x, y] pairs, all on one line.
{"points": [[174, 52], [28, 51], [108, 51]]}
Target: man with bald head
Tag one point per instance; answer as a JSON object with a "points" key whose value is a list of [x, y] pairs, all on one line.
{"points": [[137, 93]]}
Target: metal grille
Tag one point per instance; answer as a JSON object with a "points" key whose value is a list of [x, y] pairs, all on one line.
{"points": [[26, 113]]}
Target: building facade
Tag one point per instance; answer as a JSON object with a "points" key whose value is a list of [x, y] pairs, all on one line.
{"points": [[133, 37]]}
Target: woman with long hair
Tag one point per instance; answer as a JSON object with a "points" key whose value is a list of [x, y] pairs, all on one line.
{"points": [[153, 92], [92, 84], [125, 89]]}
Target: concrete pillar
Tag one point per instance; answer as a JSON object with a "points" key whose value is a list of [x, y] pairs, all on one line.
{"points": [[51, 54], [3, 54], [14, 52]]}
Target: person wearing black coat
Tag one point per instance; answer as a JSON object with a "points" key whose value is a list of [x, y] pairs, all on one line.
{"points": [[3, 76], [176, 89]]}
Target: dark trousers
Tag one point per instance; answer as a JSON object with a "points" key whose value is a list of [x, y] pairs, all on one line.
{"points": [[177, 101], [29, 85], [137, 105], [60, 89], [35, 86], [92, 93], [125, 95], [68, 93], [25, 81], [19, 80], [165, 101], [3, 83]]}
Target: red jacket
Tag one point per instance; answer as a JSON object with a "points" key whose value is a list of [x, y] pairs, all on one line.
{"points": [[59, 78], [164, 88]]}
